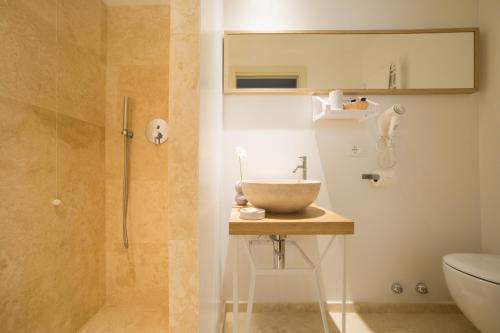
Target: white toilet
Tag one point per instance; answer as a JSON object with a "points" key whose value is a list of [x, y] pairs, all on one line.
{"points": [[474, 283]]}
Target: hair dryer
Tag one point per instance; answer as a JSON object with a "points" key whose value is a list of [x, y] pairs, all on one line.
{"points": [[388, 123]]}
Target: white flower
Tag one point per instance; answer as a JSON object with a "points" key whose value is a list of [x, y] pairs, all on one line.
{"points": [[241, 152]]}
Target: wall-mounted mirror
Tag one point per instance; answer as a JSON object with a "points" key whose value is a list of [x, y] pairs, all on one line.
{"points": [[358, 62]]}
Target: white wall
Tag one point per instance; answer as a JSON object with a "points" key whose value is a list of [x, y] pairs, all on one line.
{"points": [[210, 127], [348, 14], [489, 124], [402, 231]]}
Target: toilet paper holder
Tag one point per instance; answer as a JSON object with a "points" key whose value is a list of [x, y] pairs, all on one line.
{"points": [[371, 176]]}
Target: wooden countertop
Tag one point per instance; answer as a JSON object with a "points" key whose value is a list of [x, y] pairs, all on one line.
{"points": [[313, 220]]}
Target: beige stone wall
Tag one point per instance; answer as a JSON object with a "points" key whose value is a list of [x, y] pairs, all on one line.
{"points": [[52, 65], [138, 52], [183, 166], [66, 65]]}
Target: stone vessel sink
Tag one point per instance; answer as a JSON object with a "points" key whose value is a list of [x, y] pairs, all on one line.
{"points": [[281, 195]]}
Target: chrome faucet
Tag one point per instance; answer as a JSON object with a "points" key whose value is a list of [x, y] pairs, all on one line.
{"points": [[302, 166]]}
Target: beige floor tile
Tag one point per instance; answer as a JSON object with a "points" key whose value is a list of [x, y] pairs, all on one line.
{"points": [[282, 322], [128, 319]]}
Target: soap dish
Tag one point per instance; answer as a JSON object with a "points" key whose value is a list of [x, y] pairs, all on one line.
{"points": [[252, 213]]}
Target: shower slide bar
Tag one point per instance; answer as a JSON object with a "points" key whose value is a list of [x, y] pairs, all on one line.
{"points": [[127, 135]]}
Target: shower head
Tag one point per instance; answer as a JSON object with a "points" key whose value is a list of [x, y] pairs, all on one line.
{"points": [[125, 131]]}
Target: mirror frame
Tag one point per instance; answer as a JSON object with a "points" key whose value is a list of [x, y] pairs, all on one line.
{"points": [[307, 91]]}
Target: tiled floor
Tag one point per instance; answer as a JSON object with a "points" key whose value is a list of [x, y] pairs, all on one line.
{"points": [[128, 319], [141, 319], [309, 322]]}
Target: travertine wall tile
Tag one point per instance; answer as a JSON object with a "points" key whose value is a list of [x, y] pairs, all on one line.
{"points": [[114, 195], [138, 275], [185, 18], [183, 167], [51, 258], [147, 214], [81, 83], [183, 286], [147, 84], [27, 184], [81, 187], [28, 52], [138, 35], [81, 23], [147, 88], [184, 104], [137, 66], [148, 211]]}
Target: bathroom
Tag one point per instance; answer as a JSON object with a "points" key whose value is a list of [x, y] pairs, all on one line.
{"points": [[119, 129]]}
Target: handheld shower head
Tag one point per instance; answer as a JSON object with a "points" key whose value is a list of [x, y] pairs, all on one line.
{"points": [[125, 131]]}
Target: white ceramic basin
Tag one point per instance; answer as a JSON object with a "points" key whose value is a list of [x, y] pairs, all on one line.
{"points": [[281, 195]]}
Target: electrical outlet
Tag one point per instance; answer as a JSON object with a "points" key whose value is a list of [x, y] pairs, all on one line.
{"points": [[353, 150]]}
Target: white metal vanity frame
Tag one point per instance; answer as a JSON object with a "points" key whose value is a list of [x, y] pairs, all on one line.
{"points": [[244, 232]]}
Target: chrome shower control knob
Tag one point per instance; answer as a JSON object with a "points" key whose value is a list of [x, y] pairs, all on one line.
{"points": [[157, 131], [421, 288], [397, 288]]}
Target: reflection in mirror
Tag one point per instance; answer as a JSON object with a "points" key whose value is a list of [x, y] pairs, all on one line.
{"points": [[388, 62]]}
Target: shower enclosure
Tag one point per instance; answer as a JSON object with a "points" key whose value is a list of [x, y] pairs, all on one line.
{"points": [[65, 66]]}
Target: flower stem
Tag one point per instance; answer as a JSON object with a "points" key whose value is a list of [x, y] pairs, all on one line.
{"points": [[241, 170]]}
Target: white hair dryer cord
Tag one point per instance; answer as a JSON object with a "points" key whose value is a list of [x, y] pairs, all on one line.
{"points": [[386, 155]]}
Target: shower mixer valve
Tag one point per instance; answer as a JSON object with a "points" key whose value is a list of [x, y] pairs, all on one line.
{"points": [[158, 136], [157, 131]]}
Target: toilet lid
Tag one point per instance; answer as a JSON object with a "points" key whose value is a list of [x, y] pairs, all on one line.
{"points": [[483, 266]]}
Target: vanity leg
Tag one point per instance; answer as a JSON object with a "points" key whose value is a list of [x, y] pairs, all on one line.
{"points": [[319, 284], [321, 301], [251, 293], [235, 286], [343, 284]]}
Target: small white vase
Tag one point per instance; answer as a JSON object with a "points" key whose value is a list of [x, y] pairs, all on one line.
{"points": [[240, 199], [238, 187]]}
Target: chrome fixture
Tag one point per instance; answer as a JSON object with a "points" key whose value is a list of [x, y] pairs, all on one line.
{"points": [[397, 288], [157, 131], [302, 166], [279, 251], [371, 176], [311, 266], [126, 136], [421, 288]]}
